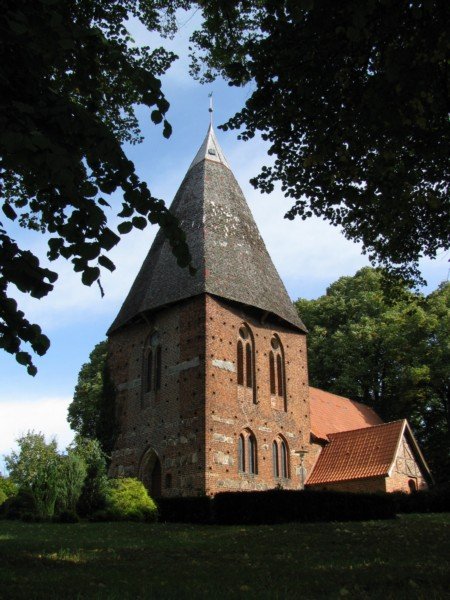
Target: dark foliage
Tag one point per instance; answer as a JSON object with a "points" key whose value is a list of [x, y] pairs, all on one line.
{"points": [[353, 99], [434, 500], [70, 82], [195, 509], [18, 506]]}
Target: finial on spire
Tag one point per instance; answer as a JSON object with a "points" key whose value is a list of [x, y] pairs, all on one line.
{"points": [[210, 96]]}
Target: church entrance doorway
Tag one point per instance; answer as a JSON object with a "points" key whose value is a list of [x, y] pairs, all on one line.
{"points": [[150, 472]]}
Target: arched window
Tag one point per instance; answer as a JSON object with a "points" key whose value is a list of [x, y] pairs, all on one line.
{"points": [[246, 359], [276, 468], [158, 368], [277, 371], [152, 364], [241, 453], [247, 453], [284, 460], [249, 365], [272, 373], [240, 363], [148, 379], [252, 458], [280, 458]]}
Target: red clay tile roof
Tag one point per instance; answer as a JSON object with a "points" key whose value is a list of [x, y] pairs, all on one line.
{"points": [[331, 414], [357, 454]]}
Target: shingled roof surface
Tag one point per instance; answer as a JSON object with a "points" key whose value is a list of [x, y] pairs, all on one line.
{"points": [[358, 454], [230, 256], [331, 413]]}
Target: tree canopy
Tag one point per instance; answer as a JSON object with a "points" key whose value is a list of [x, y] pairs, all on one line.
{"points": [[92, 411], [388, 349], [353, 98], [70, 81]]}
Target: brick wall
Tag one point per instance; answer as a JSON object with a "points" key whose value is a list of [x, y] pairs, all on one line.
{"points": [[170, 421], [405, 470], [358, 486], [193, 422], [230, 408]]}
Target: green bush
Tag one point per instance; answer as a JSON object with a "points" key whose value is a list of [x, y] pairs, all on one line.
{"points": [[16, 507], [7, 489], [128, 500]]}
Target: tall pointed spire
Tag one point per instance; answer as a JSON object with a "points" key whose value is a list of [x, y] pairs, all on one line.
{"points": [[226, 247]]}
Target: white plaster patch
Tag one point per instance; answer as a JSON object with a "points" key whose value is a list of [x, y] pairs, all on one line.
{"points": [[219, 437], [221, 458], [289, 434], [267, 429], [225, 365], [129, 385], [222, 420], [184, 366]]}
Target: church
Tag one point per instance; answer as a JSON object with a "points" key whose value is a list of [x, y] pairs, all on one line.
{"points": [[211, 372]]}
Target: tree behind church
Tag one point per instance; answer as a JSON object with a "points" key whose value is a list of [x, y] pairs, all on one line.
{"points": [[388, 349]]}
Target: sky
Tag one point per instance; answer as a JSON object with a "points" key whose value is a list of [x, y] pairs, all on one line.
{"points": [[309, 255]]}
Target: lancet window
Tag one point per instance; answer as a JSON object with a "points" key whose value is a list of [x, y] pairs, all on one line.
{"points": [[247, 453], [245, 360], [277, 375], [280, 458], [152, 364]]}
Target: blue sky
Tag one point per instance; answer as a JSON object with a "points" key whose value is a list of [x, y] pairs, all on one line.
{"points": [[309, 255]]}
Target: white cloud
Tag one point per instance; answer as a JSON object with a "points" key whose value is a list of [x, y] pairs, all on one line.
{"points": [[46, 415]]}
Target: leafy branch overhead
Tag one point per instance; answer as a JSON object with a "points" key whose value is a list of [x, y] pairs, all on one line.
{"points": [[70, 81], [353, 98]]}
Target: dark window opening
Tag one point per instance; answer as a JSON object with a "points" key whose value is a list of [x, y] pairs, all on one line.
{"points": [[249, 365], [272, 373], [240, 363]]}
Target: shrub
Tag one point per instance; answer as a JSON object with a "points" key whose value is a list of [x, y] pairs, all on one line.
{"points": [[35, 469], [7, 489], [95, 486], [128, 500], [281, 506], [72, 474], [67, 516], [195, 509], [18, 506]]}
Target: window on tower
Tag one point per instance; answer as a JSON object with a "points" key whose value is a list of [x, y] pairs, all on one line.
{"points": [[247, 453], [277, 375], [245, 359], [152, 365], [280, 458]]}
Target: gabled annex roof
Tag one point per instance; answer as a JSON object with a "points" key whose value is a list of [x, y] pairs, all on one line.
{"points": [[364, 453], [230, 256], [331, 413]]}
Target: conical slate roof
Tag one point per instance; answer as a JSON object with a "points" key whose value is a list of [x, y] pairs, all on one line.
{"points": [[230, 256]]}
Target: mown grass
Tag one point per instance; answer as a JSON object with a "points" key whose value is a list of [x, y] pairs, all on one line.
{"points": [[405, 558]]}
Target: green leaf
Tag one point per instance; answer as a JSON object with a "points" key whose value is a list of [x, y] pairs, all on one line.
{"points": [[156, 117], [90, 275], [108, 239], [104, 261], [139, 222], [23, 358], [167, 131], [9, 211], [125, 227]]}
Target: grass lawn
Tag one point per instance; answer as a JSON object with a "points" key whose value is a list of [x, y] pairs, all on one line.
{"points": [[405, 558]]}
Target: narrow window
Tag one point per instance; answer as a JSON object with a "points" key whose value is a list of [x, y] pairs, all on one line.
{"points": [[252, 465], [280, 375], [249, 365], [284, 460], [241, 452], [158, 369], [148, 384], [276, 470], [240, 363], [168, 481], [272, 373]]}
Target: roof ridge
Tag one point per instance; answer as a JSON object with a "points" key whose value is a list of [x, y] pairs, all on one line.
{"points": [[366, 428]]}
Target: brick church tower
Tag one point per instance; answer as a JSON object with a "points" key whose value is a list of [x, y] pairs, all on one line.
{"points": [[210, 370]]}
